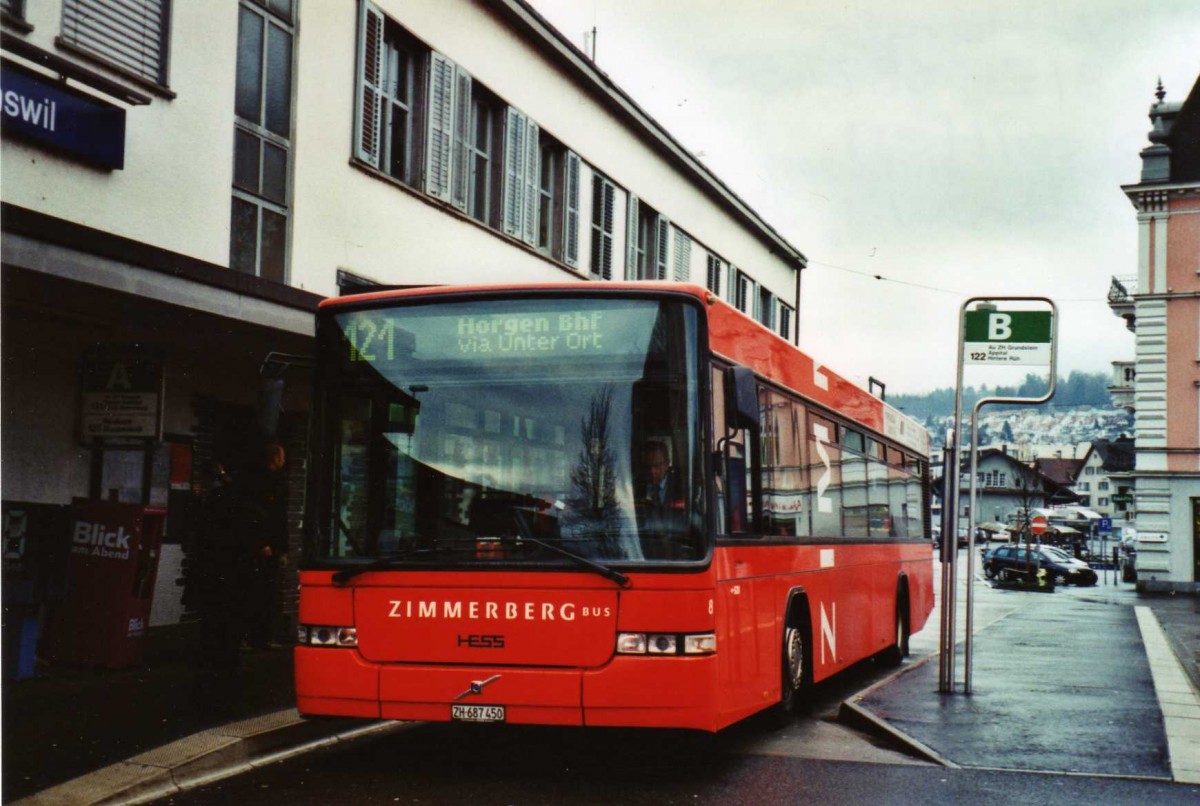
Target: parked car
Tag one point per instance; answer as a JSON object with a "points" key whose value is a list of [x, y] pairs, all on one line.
{"points": [[961, 542], [1062, 567]]}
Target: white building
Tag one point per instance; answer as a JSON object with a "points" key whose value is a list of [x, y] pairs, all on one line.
{"points": [[182, 183]]}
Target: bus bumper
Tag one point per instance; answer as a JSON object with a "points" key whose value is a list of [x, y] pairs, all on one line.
{"points": [[675, 692]]}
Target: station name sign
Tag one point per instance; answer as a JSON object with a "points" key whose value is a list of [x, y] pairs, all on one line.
{"points": [[1008, 338], [48, 112]]}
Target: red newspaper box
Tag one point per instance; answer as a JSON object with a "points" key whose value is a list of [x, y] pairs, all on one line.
{"points": [[111, 567]]}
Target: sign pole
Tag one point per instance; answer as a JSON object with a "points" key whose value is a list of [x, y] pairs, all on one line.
{"points": [[948, 550], [1006, 338]]}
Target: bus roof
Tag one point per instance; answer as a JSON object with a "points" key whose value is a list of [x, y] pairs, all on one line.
{"points": [[732, 334]]}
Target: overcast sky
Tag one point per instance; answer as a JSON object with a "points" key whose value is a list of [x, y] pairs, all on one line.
{"points": [[954, 148]]}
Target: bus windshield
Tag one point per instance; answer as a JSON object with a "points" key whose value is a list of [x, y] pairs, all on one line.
{"points": [[501, 431]]}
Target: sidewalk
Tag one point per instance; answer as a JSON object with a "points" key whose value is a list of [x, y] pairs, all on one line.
{"points": [[1061, 684], [138, 731], [72, 721]]}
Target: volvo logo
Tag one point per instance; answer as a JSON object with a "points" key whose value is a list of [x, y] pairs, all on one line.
{"points": [[477, 686]]}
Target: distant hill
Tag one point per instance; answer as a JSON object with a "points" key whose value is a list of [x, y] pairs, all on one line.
{"points": [[1081, 411], [1077, 389]]}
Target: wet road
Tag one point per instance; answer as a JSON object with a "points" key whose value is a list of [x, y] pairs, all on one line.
{"points": [[813, 760]]}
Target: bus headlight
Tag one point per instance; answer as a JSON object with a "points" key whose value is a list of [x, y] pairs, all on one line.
{"points": [[637, 643], [314, 635]]}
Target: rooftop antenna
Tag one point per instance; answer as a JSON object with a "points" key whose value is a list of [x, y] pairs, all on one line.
{"points": [[589, 43]]}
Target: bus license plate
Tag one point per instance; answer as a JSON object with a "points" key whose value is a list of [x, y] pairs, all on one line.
{"points": [[477, 713]]}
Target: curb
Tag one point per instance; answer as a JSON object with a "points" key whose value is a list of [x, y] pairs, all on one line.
{"points": [[856, 716], [205, 757]]}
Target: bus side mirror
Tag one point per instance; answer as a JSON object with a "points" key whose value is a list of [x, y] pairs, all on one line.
{"points": [[741, 407]]}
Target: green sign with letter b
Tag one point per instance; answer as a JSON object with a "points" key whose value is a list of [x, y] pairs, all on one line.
{"points": [[1009, 338]]}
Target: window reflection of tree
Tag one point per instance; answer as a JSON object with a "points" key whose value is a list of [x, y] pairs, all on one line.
{"points": [[593, 521]]}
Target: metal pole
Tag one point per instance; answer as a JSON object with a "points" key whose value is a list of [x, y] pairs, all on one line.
{"points": [[972, 500], [949, 551]]}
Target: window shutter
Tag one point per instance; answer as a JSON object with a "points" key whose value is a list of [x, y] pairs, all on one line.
{"points": [[683, 257], [571, 210], [439, 142], [603, 202], [461, 160], [631, 239], [370, 79], [609, 224], [662, 236], [733, 286], [533, 176], [130, 34], [514, 171]]}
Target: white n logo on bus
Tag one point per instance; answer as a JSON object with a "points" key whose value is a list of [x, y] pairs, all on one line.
{"points": [[824, 503], [820, 378], [829, 632]]}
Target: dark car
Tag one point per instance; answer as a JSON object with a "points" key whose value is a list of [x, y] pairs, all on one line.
{"points": [[962, 538], [1060, 566]]}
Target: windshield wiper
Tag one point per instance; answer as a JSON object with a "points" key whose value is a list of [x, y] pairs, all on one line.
{"points": [[600, 568], [383, 563]]}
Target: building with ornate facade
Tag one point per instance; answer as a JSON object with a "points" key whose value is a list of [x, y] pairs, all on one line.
{"points": [[1161, 305]]}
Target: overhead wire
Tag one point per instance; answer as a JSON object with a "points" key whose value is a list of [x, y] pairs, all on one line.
{"points": [[925, 287]]}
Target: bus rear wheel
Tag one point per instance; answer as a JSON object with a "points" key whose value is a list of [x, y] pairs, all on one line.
{"points": [[898, 651]]}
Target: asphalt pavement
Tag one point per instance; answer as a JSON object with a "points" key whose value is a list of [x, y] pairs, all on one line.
{"points": [[1096, 681]]}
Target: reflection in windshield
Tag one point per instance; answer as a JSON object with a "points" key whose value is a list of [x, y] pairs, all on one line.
{"points": [[448, 442]]}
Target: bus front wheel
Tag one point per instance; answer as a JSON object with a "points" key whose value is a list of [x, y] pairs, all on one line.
{"points": [[794, 695]]}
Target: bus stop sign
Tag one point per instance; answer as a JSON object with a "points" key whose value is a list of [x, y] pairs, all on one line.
{"points": [[1007, 338]]}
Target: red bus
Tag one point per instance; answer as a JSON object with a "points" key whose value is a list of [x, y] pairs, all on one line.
{"points": [[622, 504]]}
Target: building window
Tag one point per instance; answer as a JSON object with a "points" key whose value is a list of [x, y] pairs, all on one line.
{"points": [[714, 274], [1102, 486], [1103, 502], [1085, 486], [131, 35], [743, 293], [1089, 471], [550, 196], [14, 7], [262, 139], [389, 102], [476, 145], [766, 308], [646, 243], [396, 116], [603, 199], [785, 321]]}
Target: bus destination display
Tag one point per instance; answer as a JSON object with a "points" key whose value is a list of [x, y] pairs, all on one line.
{"points": [[377, 337]]}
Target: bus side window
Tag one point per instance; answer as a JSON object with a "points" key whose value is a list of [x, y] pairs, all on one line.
{"points": [[737, 494]]}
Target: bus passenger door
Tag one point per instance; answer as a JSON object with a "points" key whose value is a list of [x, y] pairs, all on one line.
{"points": [[749, 633]]}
